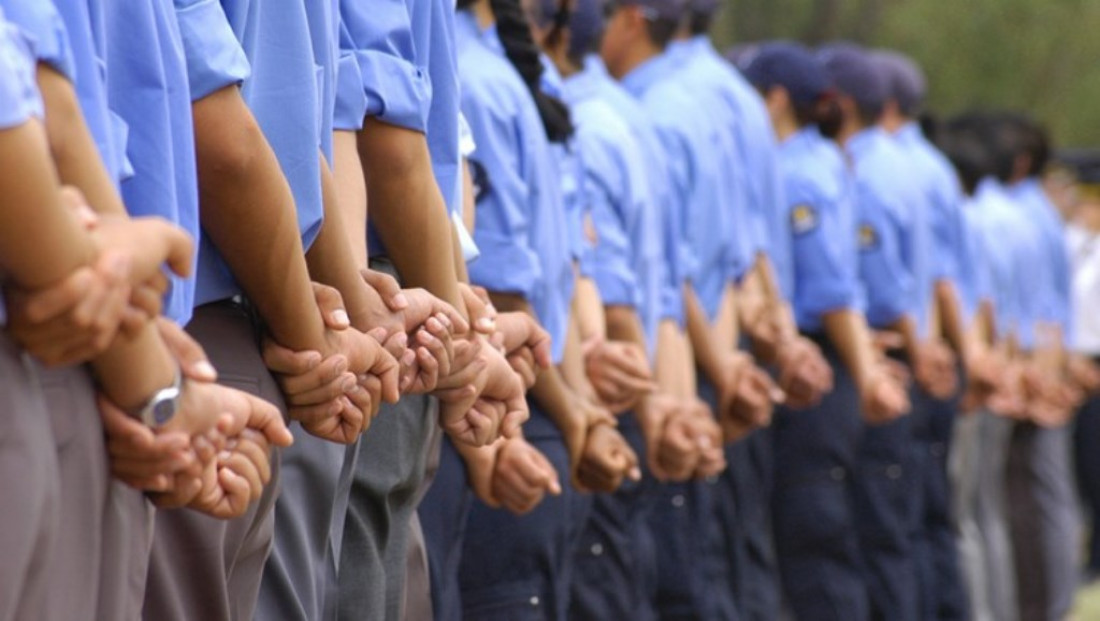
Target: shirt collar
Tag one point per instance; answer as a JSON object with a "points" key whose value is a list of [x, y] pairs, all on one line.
{"points": [[584, 84], [863, 141], [645, 75]]}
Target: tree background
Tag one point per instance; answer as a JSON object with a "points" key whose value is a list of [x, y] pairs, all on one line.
{"points": [[1038, 56]]}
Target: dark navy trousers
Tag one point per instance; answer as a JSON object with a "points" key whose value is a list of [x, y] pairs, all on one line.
{"points": [[814, 504], [694, 567], [519, 568], [887, 494], [935, 549], [443, 515], [615, 576]]}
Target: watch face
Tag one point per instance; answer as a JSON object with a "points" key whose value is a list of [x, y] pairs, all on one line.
{"points": [[164, 411]]}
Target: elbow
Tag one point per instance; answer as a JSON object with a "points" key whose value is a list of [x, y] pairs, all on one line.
{"points": [[228, 141]]}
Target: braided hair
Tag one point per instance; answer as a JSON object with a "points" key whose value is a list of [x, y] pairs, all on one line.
{"points": [[519, 46]]}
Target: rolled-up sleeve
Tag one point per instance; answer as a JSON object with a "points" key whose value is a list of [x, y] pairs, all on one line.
{"points": [[397, 90], [611, 258], [889, 283], [19, 97], [508, 261], [40, 21], [215, 58]]}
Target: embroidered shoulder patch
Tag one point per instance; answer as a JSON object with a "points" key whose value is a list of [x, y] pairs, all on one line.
{"points": [[803, 219], [868, 237]]}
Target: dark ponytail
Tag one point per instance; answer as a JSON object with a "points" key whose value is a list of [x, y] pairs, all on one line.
{"points": [[515, 37]]}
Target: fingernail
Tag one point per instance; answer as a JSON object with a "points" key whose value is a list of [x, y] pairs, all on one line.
{"points": [[635, 474], [485, 323], [205, 370], [224, 455], [342, 365], [349, 383], [313, 359], [400, 301], [341, 317]]}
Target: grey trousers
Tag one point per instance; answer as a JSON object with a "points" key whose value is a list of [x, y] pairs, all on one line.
{"points": [[387, 487], [30, 488], [202, 568], [85, 479], [418, 583], [978, 463], [1045, 521], [299, 578]]}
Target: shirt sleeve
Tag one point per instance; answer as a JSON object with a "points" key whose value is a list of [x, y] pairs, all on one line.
{"points": [[43, 25], [397, 90], [19, 97], [215, 58], [610, 261], [888, 282], [351, 99], [825, 283], [508, 261]]}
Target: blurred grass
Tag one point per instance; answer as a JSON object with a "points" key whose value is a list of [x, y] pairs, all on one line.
{"points": [[1088, 603]]}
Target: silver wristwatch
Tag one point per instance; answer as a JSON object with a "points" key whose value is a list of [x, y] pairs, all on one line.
{"points": [[163, 405]]}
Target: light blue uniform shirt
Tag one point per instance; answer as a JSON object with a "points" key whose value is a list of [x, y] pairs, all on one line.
{"points": [[291, 93], [1015, 262], [756, 164], [44, 28], [627, 259], [19, 97], [695, 75], [689, 136], [84, 24], [673, 271], [942, 196], [821, 224], [406, 55], [569, 156], [1048, 226], [892, 239], [148, 88], [521, 228], [979, 264]]}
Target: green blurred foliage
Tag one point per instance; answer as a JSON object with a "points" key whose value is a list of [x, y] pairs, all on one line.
{"points": [[1039, 56]]}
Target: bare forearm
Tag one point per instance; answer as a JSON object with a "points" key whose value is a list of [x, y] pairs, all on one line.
{"points": [[407, 208], [331, 259], [950, 314], [351, 192], [588, 310], [623, 324], [701, 338], [848, 332], [74, 150], [40, 242], [248, 212], [134, 369], [573, 365]]}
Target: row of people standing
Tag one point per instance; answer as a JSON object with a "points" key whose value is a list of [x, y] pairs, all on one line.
{"points": [[650, 254]]}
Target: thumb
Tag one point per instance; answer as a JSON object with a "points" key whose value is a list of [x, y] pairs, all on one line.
{"points": [[331, 305]]}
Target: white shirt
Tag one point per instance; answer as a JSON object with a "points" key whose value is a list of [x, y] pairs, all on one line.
{"points": [[1084, 249]]}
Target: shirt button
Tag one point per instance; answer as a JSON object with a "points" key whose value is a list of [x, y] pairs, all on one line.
{"points": [[893, 472], [597, 549], [837, 474], [678, 500], [534, 600]]}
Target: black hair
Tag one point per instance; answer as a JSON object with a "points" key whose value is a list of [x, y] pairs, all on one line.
{"points": [[515, 36], [963, 141], [1036, 144], [824, 112], [661, 31], [699, 22]]}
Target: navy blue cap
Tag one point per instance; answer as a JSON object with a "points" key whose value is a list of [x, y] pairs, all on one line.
{"points": [[790, 65], [585, 21], [671, 10], [705, 8], [586, 26], [853, 73], [905, 80]]}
